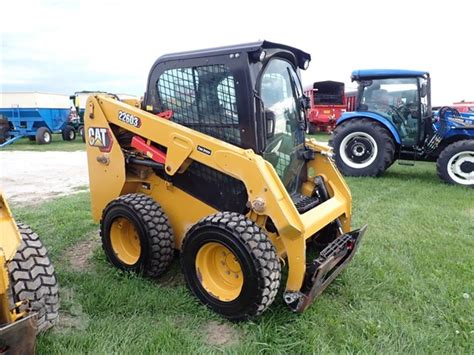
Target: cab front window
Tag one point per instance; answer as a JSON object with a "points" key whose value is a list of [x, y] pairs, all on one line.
{"points": [[280, 93]]}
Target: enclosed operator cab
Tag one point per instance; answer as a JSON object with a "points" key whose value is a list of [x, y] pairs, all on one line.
{"points": [[394, 119], [399, 98]]}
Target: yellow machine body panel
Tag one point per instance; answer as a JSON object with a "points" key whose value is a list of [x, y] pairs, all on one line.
{"points": [[267, 196], [10, 241], [10, 237]]}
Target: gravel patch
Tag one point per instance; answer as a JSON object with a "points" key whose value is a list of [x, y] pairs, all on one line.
{"points": [[31, 177]]}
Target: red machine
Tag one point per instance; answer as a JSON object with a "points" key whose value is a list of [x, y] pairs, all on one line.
{"points": [[350, 100], [328, 102], [464, 106]]}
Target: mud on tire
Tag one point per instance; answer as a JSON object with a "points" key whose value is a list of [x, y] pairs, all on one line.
{"points": [[255, 253], [32, 277]]}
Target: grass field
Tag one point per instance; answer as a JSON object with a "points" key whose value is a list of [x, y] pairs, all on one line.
{"points": [[409, 289], [57, 144]]}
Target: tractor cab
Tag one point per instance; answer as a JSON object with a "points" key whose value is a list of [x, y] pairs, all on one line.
{"points": [[398, 98], [394, 120]]}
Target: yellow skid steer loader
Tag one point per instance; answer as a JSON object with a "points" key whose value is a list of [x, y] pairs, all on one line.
{"points": [[28, 286], [214, 162]]}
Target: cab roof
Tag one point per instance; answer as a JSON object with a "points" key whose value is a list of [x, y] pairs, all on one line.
{"points": [[301, 56], [364, 74]]}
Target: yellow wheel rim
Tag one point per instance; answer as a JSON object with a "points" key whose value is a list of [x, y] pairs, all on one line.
{"points": [[219, 271], [125, 241]]}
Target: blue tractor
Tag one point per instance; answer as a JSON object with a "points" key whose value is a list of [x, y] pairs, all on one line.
{"points": [[394, 120]]}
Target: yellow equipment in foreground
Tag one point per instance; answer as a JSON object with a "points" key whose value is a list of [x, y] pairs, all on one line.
{"points": [[214, 162], [28, 286]]}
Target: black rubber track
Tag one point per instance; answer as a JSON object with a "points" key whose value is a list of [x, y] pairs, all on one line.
{"points": [[446, 154], [265, 265], [385, 145], [32, 277], [156, 235]]}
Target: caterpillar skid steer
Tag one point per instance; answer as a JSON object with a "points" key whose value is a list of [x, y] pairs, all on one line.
{"points": [[214, 162], [28, 286]]}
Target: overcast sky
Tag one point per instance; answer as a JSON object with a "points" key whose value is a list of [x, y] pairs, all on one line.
{"points": [[66, 46]]}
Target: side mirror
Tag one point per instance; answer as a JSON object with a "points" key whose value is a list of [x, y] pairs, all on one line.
{"points": [[270, 123]]}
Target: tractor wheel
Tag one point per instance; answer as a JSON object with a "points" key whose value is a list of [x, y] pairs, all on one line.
{"points": [[4, 134], [362, 147], [68, 133], [43, 135], [136, 235], [455, 164], [4, 129], [80, 131], [32, 277], [230, 265]]}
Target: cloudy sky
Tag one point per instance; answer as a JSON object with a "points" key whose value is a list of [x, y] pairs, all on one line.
{"points": [[66, 46]]}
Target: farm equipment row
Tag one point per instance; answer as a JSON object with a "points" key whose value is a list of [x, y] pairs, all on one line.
{"points": [[38, 115], [221, 132]]}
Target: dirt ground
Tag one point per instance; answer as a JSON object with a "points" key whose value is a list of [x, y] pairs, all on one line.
{"points": [[30, 177]]}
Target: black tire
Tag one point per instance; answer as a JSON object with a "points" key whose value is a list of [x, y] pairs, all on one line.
{"points": [[43, 135], [32, 277], [4, 135], [362, 136], [253, 251], [453, 166], [68, 133], [4, 129], [80, 131], [83, 134], [155, 235]]}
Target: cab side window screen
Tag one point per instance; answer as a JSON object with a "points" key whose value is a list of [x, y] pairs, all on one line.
{"points": [[202, 98]]}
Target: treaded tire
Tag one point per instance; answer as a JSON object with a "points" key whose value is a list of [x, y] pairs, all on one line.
{"points": [[385, 146], [68, 133], [32, 277], [43, 135], [466, 145], [155, 233], [81, 132], [256, 255]]}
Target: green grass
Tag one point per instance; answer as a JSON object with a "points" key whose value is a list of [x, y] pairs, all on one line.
{"points": [[57, 144], [405, 291]]}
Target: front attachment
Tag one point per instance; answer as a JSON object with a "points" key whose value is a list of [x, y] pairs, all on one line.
{"points": [[331, 261], [19, 337]]}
